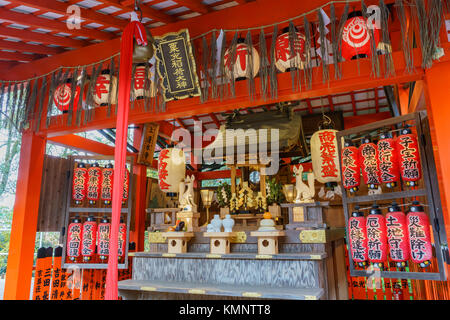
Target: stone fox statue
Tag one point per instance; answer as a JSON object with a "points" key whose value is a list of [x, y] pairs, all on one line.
{"points": [[304, 192], [186, 197]]}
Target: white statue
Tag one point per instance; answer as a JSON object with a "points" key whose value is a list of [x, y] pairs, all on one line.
{"points": [[186, 197], [305, 193]]}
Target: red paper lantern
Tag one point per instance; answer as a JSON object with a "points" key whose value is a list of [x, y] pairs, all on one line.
{"points": [[126, 186], [397, 233], [388, 161], [351, 174], [171, 169], [325, 157], [104, 229], [79, 183], [94, 184], [284, 58], [408, 157], [63, 94], [241, 61], [142, 89], [104, 85], [376, 237], [74, 239], [368, 155], [122, 239], [107, 183], [419, 235], [356, 37], [89, 238], [357, 232]]}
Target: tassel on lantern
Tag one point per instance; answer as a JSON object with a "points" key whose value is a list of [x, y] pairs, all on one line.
{"points": [[31, 102], [41, 102], [223, 89], [397, 234], [435, 12], [264, 68], [233, 47], [73, 101], [388, 160], [408, 157], [323, 47], [425, 40], [406, 39], [308, 67], [110, 95], [83, 79], [205, 61], [53, 83], [419, 235], [357, 233], [334, 43], [342, 22], [389, 69], [273, 70], [376, 237], [213, 63], [374, 40], [295, 65], [252, 69], [351, 174]]}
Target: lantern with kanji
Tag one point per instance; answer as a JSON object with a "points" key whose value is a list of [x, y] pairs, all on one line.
{"points": [[88, 241], [143, 86], [79, 183], [388, 160], [171, 169], [241, 68], [74, 239], [376, 237], [285, 58], [419, 235], [356, 37], [351, 172], [126, 185], [325, 158], [397, 234], [105, 90], [94, 184], [103, 233], [107, 183], [122, 239], [408, 157], [357, 233], [368, 155], [63, 95]]}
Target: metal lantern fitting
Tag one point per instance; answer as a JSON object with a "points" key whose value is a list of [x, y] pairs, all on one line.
{"points": [[207, 196], [289, 192]]}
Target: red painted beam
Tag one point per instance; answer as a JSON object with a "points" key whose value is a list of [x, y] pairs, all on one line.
{"points": [[17, 56], [82, 144], [25, 47]]}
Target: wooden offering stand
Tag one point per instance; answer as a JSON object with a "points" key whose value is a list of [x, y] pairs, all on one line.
{"points": [[219, 241], [267, 241], [177, 241]]}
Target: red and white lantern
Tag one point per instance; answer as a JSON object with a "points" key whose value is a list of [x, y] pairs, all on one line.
{"points": [[94, 184], [397, 234], [408, 157], [122, 239], [107, 183], [74, 239], [351, 172], [103, 234], [388, 161], [356, 37], [324, 157], [143, 87], [89, 239], [376, 237], [103, 86], [171, 169], [419, 235], [79, 183], [368, 155], [357, 232], [63, 95], [285, 60], [126, 186], [242, 61]]}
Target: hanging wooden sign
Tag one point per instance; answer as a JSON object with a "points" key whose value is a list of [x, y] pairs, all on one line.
{"points": [[175, 64], [148, 143]]}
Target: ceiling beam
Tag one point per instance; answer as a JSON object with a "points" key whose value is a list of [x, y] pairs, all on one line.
{"points": [[195, 5], [16, 56], [215, 119], [147, 11], [54, 25], [41, 37], [61, 8], [25, 47]]}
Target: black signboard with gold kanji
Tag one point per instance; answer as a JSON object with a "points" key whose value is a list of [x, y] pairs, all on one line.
{"points": [[176, 65]]}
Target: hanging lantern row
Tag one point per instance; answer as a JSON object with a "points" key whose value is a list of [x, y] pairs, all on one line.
{"points": [[89, 239], [387, 162], [400, 236], [104, 91], [96, 184]]}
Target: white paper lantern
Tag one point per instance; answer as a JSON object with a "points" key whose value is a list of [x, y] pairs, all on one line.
{"points": [[140, 82], [241, 63], [324, 156], [102, 86], [283, 58], [171, 169]]}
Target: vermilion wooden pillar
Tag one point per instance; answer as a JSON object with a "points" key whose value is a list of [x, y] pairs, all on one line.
{"points": [[25, 216], [140, 171]]}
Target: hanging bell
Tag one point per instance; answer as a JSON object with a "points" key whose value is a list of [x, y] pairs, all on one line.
{"points": [[143, 53]]}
